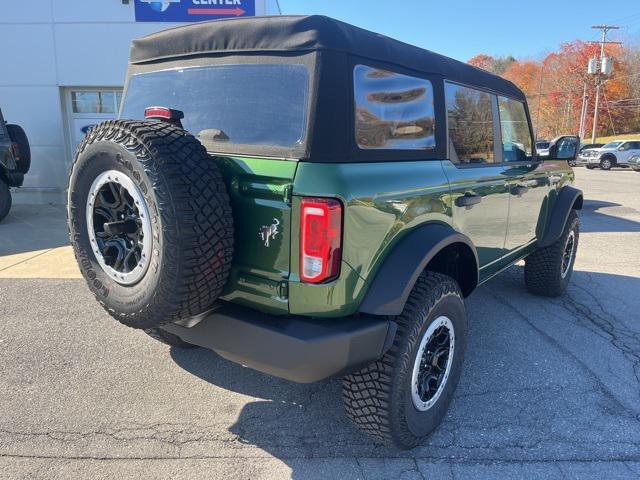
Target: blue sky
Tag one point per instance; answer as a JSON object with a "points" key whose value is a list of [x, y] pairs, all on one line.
{"points": [[463, 28]]}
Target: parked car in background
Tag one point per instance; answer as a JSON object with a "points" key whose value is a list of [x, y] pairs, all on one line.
{"points": [[585, 147], [590, 146], [542, 148], [634, 163], [15, 160], [613, 154]]}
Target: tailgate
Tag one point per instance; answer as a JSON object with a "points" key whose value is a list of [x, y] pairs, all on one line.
{"points": [[260, 191]]}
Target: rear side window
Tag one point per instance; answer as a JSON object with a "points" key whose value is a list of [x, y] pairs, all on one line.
{"points": [[250, 104], [470, 125], [393, 111], [514, 126]]}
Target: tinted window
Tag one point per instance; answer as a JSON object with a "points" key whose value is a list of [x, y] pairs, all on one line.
{"points": [[470, 124], [539, 144], [250, 104], [514, 126], [393, 111]]}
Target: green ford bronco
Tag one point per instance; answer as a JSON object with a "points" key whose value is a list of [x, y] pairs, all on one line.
{"points": [[314, 200]]}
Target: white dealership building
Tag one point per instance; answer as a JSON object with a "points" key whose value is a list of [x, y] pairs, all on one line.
{"points": [[64, 64]]}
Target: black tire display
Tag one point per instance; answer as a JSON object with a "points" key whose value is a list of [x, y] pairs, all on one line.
{"points": [[167, 338], [17, 135], [389, 399], [5, 200], [547, 271], [185, 238]]}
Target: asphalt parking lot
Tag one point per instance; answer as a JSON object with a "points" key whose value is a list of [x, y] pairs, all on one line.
{"points": [[551, 388]]}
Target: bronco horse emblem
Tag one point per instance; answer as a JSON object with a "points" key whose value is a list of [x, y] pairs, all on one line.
{"points": [[268, 232]]}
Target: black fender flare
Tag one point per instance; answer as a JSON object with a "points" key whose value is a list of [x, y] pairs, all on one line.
{"points": [[567, 198], [395, 278]]}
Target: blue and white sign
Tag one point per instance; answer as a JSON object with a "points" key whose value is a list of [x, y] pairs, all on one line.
{"points": [[192, 10]]}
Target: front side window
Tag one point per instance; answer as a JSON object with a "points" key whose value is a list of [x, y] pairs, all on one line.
{"points": [[516, 135], [632, 145], [261, 104], [470, 125], [393, 111]]}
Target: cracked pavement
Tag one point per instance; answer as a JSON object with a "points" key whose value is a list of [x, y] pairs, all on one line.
{"points": [[550, 387]]}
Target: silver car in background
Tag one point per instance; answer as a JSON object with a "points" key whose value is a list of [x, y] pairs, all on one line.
{"points": [[616, 153]]}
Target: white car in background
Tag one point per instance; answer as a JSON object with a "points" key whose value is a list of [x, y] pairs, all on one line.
{"points": [[542, 148], [616, 153]]}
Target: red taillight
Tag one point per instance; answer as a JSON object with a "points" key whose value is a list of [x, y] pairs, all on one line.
{"points": [[16, 151], [158, 112], [320, 239], [166, 114]]}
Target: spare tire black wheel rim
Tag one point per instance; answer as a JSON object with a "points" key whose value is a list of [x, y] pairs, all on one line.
{"points": [[119, 227], [433, 363]]}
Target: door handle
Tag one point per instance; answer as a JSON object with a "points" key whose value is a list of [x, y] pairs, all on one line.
{"points": [[468, 200], [519, 190]]}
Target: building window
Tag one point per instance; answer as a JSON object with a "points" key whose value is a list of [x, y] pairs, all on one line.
{"points": [[393, 111], [516, 135], [470, 125], [95, 101]]}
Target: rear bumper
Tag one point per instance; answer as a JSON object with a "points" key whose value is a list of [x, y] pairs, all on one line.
{"points": [[300, 349]]}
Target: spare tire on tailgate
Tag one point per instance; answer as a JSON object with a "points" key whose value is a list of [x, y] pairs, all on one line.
{"points": [[150, 222]]}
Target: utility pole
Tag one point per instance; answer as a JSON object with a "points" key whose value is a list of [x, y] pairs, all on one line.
{"points": [[603, 70], [583, 112]]}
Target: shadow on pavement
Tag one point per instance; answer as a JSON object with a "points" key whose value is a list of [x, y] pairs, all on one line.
{"points": [[532, 390], [600, 216], [30, 228]]}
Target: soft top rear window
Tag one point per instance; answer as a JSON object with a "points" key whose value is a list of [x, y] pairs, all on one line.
{"points": [[246, 104]]}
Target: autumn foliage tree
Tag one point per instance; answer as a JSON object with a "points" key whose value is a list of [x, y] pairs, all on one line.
{"points": [[554, 87]]}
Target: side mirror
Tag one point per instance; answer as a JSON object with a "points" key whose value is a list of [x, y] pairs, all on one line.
{"points": [[564, 148]]}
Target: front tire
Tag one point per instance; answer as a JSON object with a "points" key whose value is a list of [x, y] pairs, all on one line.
{"points": [[5, 200], [547, 271], [606, 163], [401, 398]]}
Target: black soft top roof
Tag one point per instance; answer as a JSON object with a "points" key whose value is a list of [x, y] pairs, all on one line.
{"points": [[304, 34]]}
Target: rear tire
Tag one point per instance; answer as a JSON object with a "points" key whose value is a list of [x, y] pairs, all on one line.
{"points": [[547, 271], [17, 135], [5, 200], [385, 399], [165, 199]]}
